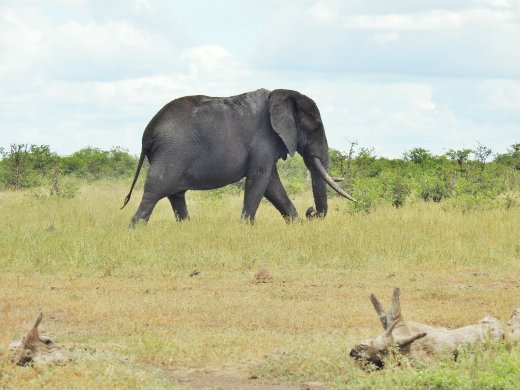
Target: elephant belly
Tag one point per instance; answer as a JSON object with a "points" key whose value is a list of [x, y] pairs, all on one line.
{"points": [[205, 174]]}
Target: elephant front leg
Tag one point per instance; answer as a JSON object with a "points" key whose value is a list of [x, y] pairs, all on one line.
{"points": [[257, 181], [178, 202], [276, 194]]}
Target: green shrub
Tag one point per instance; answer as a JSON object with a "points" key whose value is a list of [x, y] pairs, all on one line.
{"points": [[397, 189], [470, 183], [64, 187], [418, 156], [368, 194], [511, 158], [434, 188], [93, 163], [17, 168]]}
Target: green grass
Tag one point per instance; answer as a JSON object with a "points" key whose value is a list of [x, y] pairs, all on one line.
{"points": [[127, 294], [483, 367]]}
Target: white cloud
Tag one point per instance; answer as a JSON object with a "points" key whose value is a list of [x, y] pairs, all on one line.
{"points": [[323, 14], [211, 60], [499, 3], [426, 21], [396, 116], [502, 95], [376, 114], [333, 36], [143, 5], [113, 49], [21, 43], [387, 37], [35, 46], [69, 116]]}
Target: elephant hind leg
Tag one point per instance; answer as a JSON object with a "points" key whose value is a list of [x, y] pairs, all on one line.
{"points": [[145, 208], [178, 202], [256, 182], [157, 186]]}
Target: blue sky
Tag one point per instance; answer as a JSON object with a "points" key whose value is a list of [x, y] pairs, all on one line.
{"points": [[389, 75]]}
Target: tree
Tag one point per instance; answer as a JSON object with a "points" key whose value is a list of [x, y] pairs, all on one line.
{"points": [[122, 163], [397, 190], [16, 167], [511, 158], [347, 172], [460, 156], [43, 161], [418, 156], [482, 153]]}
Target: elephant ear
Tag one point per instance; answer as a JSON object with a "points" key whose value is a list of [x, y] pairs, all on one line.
{"points": [[281, 111]]}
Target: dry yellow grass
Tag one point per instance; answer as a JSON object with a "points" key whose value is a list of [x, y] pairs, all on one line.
{"points": [[128, 298]]}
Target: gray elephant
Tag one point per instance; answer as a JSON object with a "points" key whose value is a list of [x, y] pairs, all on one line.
{"points": [[202, 143]]}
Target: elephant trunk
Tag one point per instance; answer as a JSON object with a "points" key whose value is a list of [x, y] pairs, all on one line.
{"points": [[319, 191], [319, 184]]}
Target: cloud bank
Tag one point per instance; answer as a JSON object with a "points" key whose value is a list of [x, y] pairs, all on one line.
{"points": [[390, 75]]}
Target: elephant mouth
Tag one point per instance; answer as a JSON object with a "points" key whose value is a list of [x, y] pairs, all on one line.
{"points": [[329, 180]]}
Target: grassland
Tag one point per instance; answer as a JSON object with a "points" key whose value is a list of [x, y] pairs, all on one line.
{"points": [[124, 300]]}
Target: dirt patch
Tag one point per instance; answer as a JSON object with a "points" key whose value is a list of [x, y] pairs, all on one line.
{"points": [[262, 276], [232, 380]]}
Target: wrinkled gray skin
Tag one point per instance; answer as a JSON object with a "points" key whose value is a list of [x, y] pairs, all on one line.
{"points": [[201, 143]]}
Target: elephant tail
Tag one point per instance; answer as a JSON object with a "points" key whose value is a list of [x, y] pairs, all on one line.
{"points": [[139, 165]]}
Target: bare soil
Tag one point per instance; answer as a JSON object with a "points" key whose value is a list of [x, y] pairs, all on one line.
{"points": [[228, 379]]}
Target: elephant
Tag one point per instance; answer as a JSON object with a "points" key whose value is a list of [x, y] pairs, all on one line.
{"points": [[202, 142]]}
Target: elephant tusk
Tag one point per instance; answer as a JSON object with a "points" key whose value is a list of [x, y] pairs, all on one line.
{"points": [[329, 180]]}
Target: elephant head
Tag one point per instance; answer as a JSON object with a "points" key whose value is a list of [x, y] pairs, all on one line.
{"points": [[296, 119]]}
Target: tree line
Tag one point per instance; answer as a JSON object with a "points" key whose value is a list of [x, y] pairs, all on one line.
{"points": [[26, 166], [466, 176]]}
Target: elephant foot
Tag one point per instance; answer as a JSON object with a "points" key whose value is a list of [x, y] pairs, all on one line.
{"points": [[134, 222], [311, 213], [247, 219], [291, 218]]}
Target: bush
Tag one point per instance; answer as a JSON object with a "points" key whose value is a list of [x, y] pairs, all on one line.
{"points": [[435, 188], [372, 180], [397, 190], [93, 163], [368, 195], [418, 156], [18, 168], [511, 158], [64, 187], [24, 166]]}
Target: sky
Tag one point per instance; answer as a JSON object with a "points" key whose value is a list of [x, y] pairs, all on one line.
{"points": [[389, 75]]}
